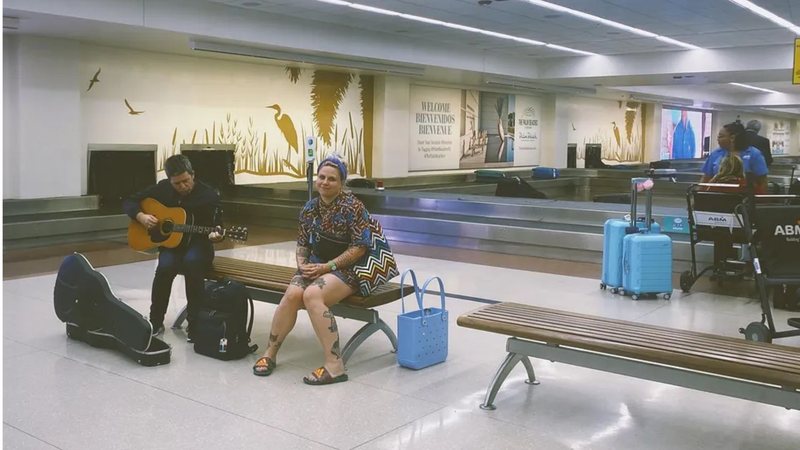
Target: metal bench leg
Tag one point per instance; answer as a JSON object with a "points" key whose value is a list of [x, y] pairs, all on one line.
{"points": [[529, 367], [179, 320], [363, 333], [502, 373]]}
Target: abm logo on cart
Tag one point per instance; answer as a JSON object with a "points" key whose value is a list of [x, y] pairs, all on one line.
{"points": [[791, 231]]}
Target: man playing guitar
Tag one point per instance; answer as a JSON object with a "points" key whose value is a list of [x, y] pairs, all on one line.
{"points": [[194, 255]]}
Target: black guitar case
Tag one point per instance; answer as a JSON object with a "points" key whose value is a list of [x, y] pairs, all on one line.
{"points": [[84, 301]]}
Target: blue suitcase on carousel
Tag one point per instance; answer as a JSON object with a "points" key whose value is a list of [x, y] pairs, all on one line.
{"points": [[647, 259], [544, 173]]}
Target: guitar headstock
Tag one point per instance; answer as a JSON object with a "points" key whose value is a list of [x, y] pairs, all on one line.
{"points": [[236, 233]]}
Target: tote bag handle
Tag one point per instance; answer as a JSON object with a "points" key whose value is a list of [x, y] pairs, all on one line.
{"points": [[425, 289], [402, 287]]}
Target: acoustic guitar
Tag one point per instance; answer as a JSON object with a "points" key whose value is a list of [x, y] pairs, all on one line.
{"points": [[173, 223]]}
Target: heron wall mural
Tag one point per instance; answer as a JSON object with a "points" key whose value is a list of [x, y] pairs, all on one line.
{"points": [[264, 110], [617, 125], [261, 153]]}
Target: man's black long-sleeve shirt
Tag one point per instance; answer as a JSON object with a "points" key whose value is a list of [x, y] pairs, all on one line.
{"points": [[761, 143], [203, 203]]}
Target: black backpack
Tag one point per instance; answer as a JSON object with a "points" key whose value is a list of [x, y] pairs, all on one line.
{"points": [[223, 324]]}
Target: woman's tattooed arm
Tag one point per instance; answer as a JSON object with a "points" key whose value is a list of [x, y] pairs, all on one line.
{"points": [[350, 256], [302, 255]]}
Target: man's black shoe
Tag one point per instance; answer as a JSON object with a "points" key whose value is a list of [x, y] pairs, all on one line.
{"points": [[158, 328]]}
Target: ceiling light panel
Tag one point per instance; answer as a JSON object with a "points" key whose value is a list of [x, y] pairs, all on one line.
{"points": [[692, 19], [599, 19], [444, 24], [754, 88], [735, 38], [773, 16]]}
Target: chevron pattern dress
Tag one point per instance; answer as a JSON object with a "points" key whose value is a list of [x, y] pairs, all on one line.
{"points": [[345, 219]]}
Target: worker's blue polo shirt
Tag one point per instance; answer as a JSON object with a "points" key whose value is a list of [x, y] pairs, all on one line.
{"points": [[752, 158]]}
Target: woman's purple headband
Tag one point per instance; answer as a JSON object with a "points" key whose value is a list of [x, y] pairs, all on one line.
{"points": [[335, 162]]}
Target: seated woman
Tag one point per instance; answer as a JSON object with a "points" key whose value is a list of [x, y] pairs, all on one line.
{"points": [[333, 236], [731, 171]]}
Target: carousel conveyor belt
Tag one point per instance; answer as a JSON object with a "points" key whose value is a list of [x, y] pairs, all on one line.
{"points": [[558, 241], [556, 229]]}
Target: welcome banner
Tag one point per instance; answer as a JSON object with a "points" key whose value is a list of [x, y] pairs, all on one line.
{"points": [[434, 139]]}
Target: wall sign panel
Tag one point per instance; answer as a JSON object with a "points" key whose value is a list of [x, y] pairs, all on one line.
{"points": [[435, 128]]}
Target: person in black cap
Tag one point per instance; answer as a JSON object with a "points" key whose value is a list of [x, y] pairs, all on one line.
{"points": [[760, 142]]}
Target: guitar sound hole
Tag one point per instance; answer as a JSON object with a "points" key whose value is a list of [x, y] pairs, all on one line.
{"points": [[161, 232], [167, 227]]}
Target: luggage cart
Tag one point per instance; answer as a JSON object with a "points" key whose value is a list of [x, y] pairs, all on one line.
{"points": [[713, 217], [773, 234]]}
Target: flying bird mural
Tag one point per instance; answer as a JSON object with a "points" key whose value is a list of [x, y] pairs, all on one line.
{"points": [[132, 111], [94, 79]]}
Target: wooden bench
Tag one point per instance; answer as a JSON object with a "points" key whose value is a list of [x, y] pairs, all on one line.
{"points": [[729, 366], [267, 283]]}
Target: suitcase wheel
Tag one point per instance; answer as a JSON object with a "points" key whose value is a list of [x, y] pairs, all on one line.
{"points": [[614, 290], [756, 331], [603, 286], [634, 297], [687, 280], [667, 296]]}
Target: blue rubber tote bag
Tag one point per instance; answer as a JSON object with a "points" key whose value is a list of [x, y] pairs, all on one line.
{"points": [[421, 334]]}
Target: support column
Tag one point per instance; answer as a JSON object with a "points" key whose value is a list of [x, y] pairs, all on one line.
{"points": [[391, 132]]}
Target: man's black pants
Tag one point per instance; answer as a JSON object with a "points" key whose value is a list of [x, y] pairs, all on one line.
{"points": [[193, 261]]}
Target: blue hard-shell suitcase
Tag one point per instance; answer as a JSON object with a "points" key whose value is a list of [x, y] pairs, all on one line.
{"points": [[646, 255], [613, 234], [544, 173], [647, 264], [614, 231]]}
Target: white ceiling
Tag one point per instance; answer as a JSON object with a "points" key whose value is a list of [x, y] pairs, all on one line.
{"points": [[641, 64], [706, 23]]}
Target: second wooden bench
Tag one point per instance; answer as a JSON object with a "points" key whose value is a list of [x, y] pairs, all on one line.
{"points": [[724, 365]]}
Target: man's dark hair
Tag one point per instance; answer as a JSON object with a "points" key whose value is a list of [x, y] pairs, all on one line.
{"points": [[177, 164]]}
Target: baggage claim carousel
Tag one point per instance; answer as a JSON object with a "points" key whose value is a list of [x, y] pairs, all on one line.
{"points": [[452, 210]]}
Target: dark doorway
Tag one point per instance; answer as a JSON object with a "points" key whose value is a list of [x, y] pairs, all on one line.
{"points": [[117, 171]]}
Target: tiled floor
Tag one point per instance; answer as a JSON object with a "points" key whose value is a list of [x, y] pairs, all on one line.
{"points": [[65, 394]]}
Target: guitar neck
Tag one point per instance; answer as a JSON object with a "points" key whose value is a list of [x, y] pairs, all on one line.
{"points": [[193, 229]]}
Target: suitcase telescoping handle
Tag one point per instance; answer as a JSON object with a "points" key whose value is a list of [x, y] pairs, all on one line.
{"points": [[637, 184]]}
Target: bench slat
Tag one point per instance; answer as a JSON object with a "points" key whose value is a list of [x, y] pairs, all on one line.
{"points": [[633, 336], [777, 365], [663, 338], [648, 331], [728, 351], [277, 278]]}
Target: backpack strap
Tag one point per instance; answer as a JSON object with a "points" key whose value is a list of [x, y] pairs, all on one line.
{"points": [[251, 313]]}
